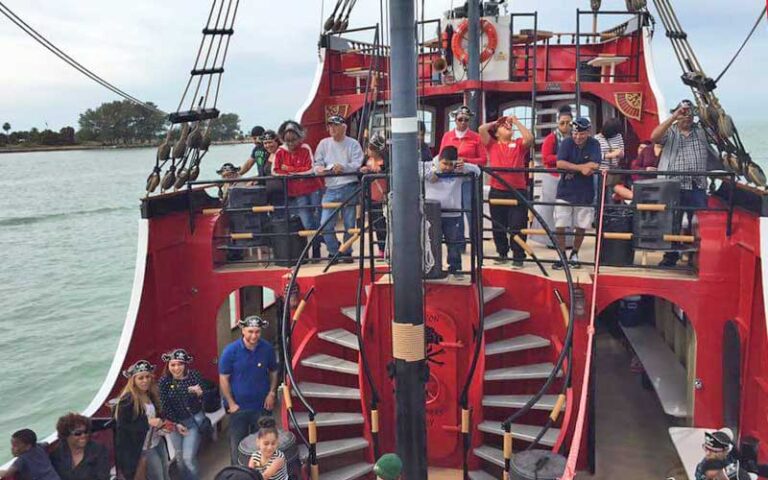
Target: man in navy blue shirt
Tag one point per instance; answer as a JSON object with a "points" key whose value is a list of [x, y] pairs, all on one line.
{"points": [[580, 155], [248, 380]]}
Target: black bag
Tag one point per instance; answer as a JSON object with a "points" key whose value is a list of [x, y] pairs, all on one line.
{"points": [[205, 427], [211, 397]]}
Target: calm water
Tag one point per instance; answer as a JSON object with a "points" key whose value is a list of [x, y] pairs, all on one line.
{"points": [[67, 248]]}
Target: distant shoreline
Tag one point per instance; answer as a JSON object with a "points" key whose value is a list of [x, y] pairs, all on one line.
{"points": [[64, 148]]}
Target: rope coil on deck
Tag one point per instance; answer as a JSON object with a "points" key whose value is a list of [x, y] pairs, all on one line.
{"points": [[408, 342]]}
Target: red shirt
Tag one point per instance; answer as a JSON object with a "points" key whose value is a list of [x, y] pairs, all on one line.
{"points": [[508, 155], [297, 161], [647, 158], [470, 146], [549, 152]]}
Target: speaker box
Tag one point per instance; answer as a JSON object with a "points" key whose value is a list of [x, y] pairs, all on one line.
{"points": [[649, 227]]}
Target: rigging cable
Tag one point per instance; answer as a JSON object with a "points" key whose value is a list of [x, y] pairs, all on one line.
{"points": [[759, 19], [35, 35]]}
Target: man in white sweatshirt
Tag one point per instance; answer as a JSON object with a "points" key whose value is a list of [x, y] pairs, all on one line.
{"points": [[338, 154], [442, 183]]}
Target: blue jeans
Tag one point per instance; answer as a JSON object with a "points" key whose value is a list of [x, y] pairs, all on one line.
{"points": [[186, 447], [310, 216], [453, 233], [241, 424], [157, 462], [348, 213]]}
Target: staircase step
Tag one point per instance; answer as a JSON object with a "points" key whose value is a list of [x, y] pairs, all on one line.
{"points": [[524, 372], [516, 344], [491, 454], [546, 111], [555, 97], [543, 126], [330, 419], [349, 472], [504, 317], [321, 390], [330, 448], [481, 475], [490, 293], [546, 402], [539, 140], [349, 312], [323, 361], [342, 337], [522, 432]]}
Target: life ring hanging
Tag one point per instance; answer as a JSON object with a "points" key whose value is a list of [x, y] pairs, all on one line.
{"points": [[458, 38]]}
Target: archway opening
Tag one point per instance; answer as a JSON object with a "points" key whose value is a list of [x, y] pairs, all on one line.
{"points": [[244, 302], [643, 380]]}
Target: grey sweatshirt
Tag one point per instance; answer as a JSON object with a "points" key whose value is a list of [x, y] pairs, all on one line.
{"points": [[446, 189], [346, 153]]}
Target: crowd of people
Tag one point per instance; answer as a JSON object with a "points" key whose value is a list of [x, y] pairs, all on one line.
{"points": [[571, 195]]}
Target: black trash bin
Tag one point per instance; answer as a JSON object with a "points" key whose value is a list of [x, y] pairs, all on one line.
{"points": [[618, 253], [287, 245]]}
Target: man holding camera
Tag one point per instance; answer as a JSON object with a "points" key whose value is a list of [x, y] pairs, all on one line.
{"points": [[685, 148]]}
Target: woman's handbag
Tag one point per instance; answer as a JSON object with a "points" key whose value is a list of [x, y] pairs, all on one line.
{"points": [[205, 427], [211, 399]]}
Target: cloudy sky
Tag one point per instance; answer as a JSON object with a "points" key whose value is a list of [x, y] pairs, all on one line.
{"points": [[146, 47]]}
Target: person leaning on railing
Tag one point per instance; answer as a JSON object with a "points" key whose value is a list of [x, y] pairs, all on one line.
{"points": [[338, 154], [377, 161], [294, 158], [507, 152], [685, 148]]}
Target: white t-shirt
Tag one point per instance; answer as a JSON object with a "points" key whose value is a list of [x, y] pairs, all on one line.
{"points": [[153, 435]]}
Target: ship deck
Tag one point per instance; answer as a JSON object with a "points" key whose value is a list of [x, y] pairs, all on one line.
{"points": [[645, 266]]}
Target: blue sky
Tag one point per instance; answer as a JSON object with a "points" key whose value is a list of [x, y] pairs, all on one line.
{"points": [[147, 47]]}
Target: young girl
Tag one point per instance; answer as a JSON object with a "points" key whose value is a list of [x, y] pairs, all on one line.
{"points": [[138, 444], [180, 393], [377, 162], [267, 459]]}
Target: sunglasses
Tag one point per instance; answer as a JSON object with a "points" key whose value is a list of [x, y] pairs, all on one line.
{"points": [[462, 120], [79, 433]]}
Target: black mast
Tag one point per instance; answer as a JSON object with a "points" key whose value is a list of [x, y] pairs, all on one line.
{"points": [[408, 324], [473, 62]]}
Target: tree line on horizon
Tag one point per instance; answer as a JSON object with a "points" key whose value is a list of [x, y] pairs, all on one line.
{"points": [[114, 123]]}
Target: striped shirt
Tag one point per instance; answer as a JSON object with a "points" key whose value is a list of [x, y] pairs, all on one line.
{"points": [[608, 145], [281, 474]]}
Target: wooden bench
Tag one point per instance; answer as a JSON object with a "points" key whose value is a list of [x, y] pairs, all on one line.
{"points": [[662, 367]]}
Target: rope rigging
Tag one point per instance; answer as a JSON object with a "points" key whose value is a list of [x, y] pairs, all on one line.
{"points": [[39, 38], [744, 44], [194, 133]]}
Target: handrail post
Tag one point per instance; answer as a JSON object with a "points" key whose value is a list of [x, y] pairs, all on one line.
{"points": [[578, 62]]}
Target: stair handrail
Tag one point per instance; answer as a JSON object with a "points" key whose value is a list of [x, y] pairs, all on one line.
{"points": [[358, 323], [285, 340], [476, 235], [366, 100], [567, 344]]}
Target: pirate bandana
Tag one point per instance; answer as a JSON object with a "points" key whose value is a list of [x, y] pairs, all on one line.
{"points": [[142, 366], [253, 321], [717, 441], [177, 354]]}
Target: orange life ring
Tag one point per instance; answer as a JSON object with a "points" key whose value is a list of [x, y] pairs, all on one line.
{"points": [[490, 48]]}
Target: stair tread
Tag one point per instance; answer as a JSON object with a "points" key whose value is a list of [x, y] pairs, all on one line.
{"points": [[504, 317], [542, 126], [349, 312], [340, 336], [349, 472], [324, 361], [481, 475], [521, 432], [516, 344], [546, 402], [321, 390], [330, 448], [330, 419], [546, 111], [555, 97], [490, 293], [523, 372], [491, 454]]}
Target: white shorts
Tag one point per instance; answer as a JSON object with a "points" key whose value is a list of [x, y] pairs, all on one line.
{"points": [[567, 216]]}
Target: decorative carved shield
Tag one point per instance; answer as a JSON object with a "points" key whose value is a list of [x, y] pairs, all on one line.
{"points": [[630, 104], [341, 110]]}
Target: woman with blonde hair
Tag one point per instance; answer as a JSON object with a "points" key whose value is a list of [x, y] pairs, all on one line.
{"points": [[140, 450]]}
